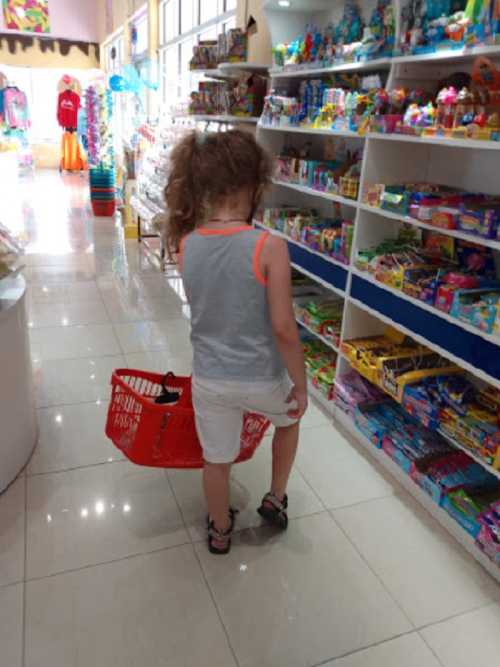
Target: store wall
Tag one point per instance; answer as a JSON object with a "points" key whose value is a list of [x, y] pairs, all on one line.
{"points": [[123, 10], [260, 43], [33, 56], [72, 19], [77, 20]]}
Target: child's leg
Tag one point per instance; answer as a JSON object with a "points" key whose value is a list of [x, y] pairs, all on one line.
{"points": [[285, 442], [216, 485]]}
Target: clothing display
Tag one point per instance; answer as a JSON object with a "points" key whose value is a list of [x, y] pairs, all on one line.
{"points": [[68, 114], [14, 122], [68, 104], [72, 156], [15, 108]]}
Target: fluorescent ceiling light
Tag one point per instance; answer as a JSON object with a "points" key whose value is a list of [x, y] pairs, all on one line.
{"points": [[284, 3]]}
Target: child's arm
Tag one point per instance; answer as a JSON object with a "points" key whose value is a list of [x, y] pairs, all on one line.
{"points": [[276, 266]]}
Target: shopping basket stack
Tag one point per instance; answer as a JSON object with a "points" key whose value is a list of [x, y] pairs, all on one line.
{"points": [[164, 435], [102, 191]]}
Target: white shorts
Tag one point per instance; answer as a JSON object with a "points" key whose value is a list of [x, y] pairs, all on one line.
{"points": [[219, 406]]}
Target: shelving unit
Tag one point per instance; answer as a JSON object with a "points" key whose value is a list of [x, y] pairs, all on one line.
{"points": [[231, 120], [243, 67], [370, 306], [324, 270], [438, 141], [324, 340], [408, 220], [430, 309], [317, 193], [311, 130], [420, 496], [361, 66]]}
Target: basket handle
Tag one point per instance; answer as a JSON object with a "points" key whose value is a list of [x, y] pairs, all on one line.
{"points": [[166, 377], [185, 392]]}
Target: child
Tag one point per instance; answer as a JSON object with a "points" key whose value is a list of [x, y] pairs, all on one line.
{"points": [[247, 351]]}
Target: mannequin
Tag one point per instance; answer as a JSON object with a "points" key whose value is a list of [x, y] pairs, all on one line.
{"points": [[68, 106]]}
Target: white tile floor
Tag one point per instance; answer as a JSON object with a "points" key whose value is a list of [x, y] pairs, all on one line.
{"points": [[103, 563]]}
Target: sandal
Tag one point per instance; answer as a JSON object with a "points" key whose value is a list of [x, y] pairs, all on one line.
{"points": [[273, 510], [219, 541]]}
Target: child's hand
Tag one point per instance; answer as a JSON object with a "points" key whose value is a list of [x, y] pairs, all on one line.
{"points": [[299, 397]]}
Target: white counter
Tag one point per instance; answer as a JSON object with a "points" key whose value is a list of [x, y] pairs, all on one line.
{"points": [[18, 426]]}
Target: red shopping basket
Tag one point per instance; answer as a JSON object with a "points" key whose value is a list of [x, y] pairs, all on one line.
{"points": [[164, 436]]}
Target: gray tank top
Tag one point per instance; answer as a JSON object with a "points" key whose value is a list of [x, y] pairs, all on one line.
{"points": [[231, 328]]}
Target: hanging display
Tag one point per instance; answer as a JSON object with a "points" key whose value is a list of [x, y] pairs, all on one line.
{"points": [[99, 111], [27, 15], [14, 122]]}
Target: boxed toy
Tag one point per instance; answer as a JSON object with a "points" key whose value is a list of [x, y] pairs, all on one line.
{"points": [[481, 219], [489, 535], [478, 307], [467, 505]]}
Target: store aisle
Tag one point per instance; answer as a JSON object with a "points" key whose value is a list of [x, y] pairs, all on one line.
{"points": [[103, 563]]}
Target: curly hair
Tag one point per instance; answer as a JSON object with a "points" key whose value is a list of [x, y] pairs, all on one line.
{"points": [[205, 169]]}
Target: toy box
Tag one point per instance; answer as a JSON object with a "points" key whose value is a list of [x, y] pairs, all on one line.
{"points": [[373, 195], [488, 539], [349, 187], [398, 371], [422, 283], [450, 473], [233, 46], [477, 307], [204, 55], [363, 354], [395, 199], [371, 423], [467, 505], [482, 220], [445, 217], [352, 390]]}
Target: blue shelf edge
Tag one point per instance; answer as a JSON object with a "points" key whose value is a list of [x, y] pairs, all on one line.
{"points": [[330, 273], [474, 350]]}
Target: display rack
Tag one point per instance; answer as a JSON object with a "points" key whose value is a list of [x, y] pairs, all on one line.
{"points": [[230, 120], [148, 202], [370, 306]]}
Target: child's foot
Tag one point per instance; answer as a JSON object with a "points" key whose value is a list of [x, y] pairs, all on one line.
{"points": [[273, 510], [219, 541]]}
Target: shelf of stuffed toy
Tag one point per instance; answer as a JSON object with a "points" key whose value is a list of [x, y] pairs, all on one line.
{"points": [[17, 401], [332, 34]]}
